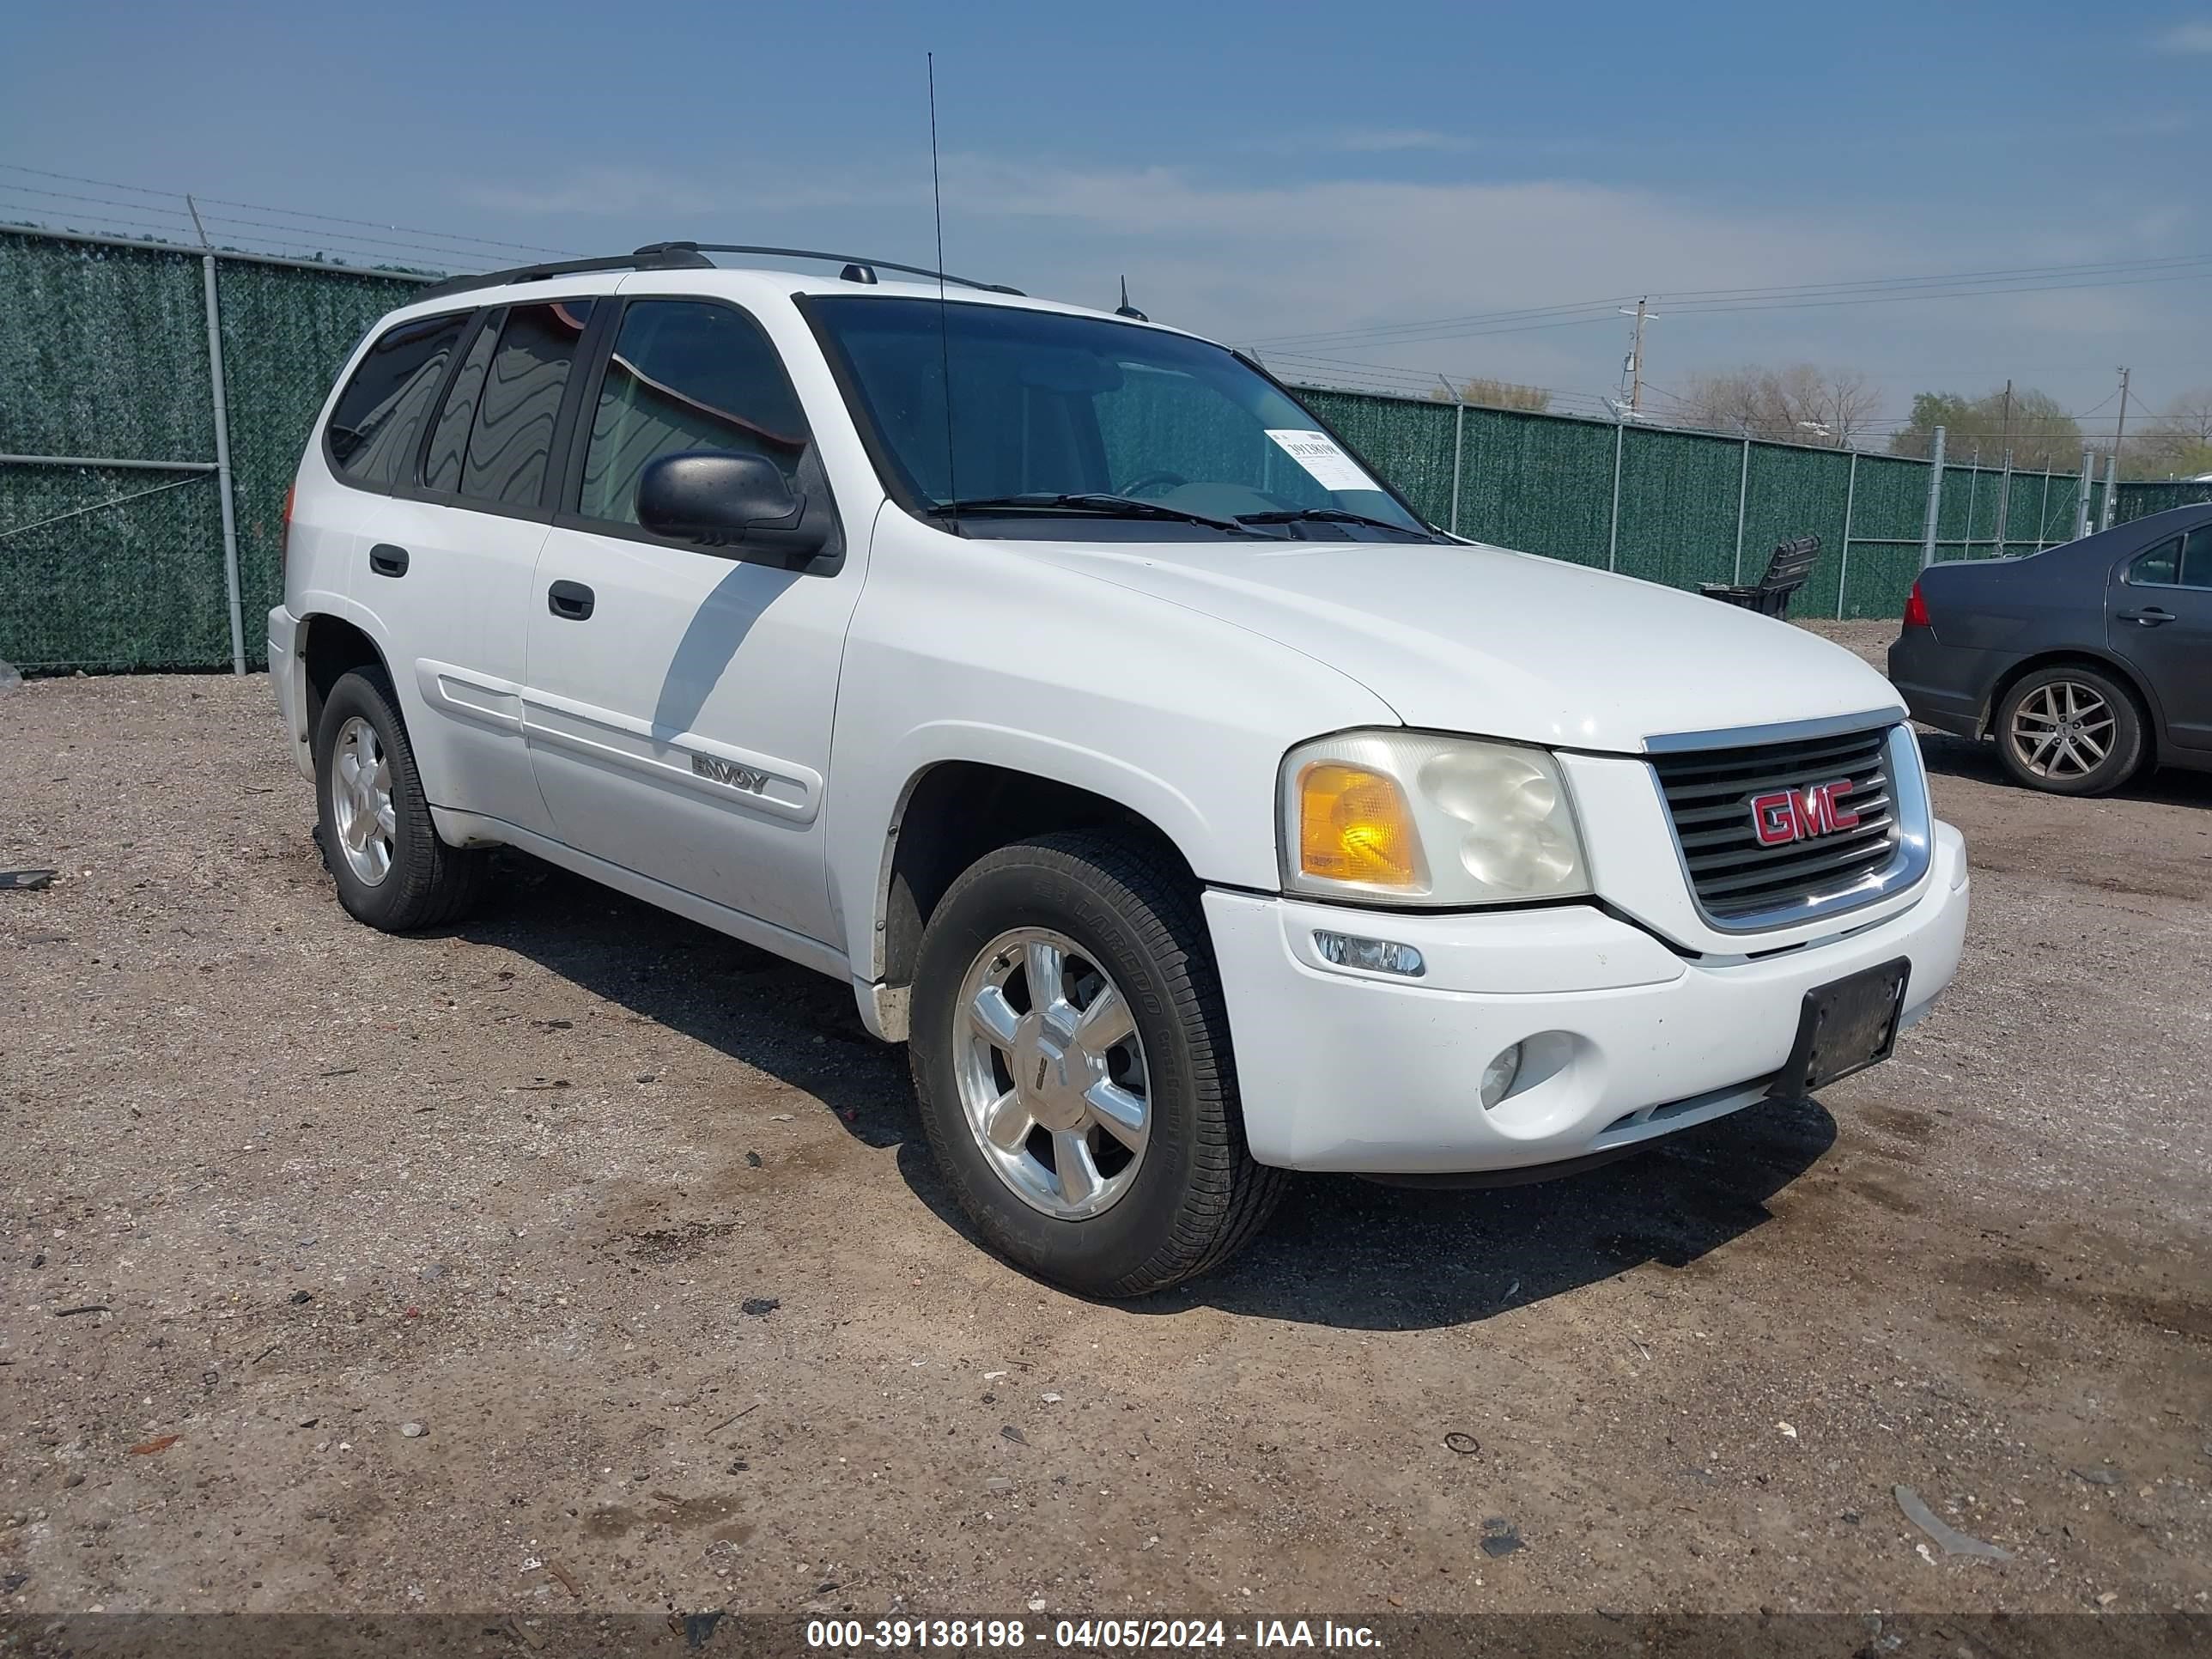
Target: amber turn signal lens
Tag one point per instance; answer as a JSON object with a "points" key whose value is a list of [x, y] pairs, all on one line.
{"points": [[1354, 825]]}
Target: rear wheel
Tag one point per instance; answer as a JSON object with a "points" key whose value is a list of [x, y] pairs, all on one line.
{"points": [[1071, 1056], [392, 870], [2070, 729]]}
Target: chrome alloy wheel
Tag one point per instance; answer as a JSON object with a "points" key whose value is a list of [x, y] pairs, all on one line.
{"points": [[2062, 731], [1052, 1073], [361, 801]]}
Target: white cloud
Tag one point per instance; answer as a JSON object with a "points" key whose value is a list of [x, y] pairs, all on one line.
{"points": [[2187, 37], [1245, 259]]}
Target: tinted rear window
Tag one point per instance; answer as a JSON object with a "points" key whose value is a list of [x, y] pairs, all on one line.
{"points": [[2162, 565], [2196, 558], [512, 437], [378, 417], [449, 433]]}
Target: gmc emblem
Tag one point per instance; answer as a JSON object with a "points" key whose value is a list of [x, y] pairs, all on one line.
{"points": [[1790, 815]]}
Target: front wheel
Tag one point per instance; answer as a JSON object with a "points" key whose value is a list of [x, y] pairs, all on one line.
{"points": [[2070, 729], [1071, 1056]]}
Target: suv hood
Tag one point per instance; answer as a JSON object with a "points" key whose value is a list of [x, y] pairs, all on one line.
{"points": [[1469, 638]]}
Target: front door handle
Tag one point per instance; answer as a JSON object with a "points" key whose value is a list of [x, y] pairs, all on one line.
{"points": [[571, 600], [2149, 617], [386, 559]]}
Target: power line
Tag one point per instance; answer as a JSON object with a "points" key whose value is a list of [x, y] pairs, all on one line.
{"points": [[353, 255], [291, 213], [297, 236]]}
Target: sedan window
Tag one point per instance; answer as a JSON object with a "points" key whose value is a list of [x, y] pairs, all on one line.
{"points": [[2159, 568], [2196, 558]]}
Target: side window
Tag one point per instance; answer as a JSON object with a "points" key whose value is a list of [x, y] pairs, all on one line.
{"points": [[512, 439], [378, 417], [449, 433], [2162, 565], [685, 375], [2196, 558]]}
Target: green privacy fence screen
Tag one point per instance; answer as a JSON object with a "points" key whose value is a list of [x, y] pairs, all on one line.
{"points": [[1695, 507], [2139, 501], [103, 357]]}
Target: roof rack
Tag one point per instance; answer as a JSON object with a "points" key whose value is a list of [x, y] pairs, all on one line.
{"points": [[692, 256]]}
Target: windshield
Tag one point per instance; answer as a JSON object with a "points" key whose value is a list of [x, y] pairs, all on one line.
{"points": [[1045, 405]]}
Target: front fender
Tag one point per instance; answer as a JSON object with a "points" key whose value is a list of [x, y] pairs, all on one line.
{"points": [[974, 651]]}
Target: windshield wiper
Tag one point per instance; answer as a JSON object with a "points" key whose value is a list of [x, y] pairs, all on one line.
{"points": [[1327, 515], [1112, 507]]}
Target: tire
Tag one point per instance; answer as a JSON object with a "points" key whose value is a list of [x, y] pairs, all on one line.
{"points": [[1192, 1197], [2052, 725], [423, 882]]}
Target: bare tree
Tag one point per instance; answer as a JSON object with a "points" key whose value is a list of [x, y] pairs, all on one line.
{"points": [[1500, 394], [1801, 404], [2177, 443]]}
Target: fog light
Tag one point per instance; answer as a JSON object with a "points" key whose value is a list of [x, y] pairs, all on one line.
{"points": [[1376, 956], [1499, 1076]]}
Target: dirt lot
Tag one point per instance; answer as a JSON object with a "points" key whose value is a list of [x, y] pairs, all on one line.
{"points": [[427, 1261]]}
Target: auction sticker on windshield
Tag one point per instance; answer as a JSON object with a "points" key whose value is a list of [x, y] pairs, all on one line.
{"points": [[1330, 467]]}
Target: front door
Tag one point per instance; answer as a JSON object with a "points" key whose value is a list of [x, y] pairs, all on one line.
{"points": [[2158, 616], [678, 701]]}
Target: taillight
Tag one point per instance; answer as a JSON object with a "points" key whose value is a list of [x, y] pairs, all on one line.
{"points": [[1916, 610], [284, 537]]}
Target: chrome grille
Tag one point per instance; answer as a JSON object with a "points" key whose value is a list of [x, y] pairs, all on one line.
{"points": [[1709, 793]]}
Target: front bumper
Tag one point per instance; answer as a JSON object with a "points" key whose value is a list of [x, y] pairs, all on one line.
{"points": [[1625, 1039]]}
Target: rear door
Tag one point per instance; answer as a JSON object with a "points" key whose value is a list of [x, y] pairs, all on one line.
{"points": [[680, 698], [2159, 617], [459, 552]]}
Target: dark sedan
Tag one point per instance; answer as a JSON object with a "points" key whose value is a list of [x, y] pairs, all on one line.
{"points": [[2087, 663]]}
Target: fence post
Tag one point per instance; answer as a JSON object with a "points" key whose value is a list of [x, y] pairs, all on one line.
{"points": [[1459, 448], [1935, 502], [1843, 570], [222, 471], [2004, 503], [2088, 485], [1974, 500], [2111, 488], [1612, 534], [1742, 494], [2042, 513]]}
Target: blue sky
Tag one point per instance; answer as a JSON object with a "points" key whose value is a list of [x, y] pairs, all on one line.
{"points": [[1260, 172]]}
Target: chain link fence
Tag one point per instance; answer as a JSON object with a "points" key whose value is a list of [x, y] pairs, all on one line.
{"points": [[115, 553], [1684, 507], [114, 549]]}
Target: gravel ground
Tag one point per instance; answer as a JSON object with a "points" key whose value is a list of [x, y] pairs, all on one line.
{"points": [[581, 1258]]}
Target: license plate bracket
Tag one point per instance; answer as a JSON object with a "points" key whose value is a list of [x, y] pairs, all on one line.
{"points": [[1845, 1026]]}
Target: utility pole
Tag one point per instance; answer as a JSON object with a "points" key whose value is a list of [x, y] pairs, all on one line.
{"points": [[1634, 366], [2120, 432], [2005, 441]]}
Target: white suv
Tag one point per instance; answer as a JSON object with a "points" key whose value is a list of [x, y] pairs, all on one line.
{"points": [[1194, 811]]}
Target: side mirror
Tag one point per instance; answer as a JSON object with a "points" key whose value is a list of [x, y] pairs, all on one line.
{"points": [[722, 499]]}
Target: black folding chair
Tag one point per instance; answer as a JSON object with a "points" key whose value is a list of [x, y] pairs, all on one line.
{"points": [[1785, 574]]}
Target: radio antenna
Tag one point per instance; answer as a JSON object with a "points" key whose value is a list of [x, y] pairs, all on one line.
{"points": [[943, 332]]}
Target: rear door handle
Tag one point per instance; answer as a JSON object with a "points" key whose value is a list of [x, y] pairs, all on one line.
{"points": [[2151, 617], [572, 600], [386, 560]]}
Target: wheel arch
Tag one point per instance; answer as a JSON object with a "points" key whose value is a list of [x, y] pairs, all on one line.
{"points": [[2083, 656], [331, 646], [952, 812]]}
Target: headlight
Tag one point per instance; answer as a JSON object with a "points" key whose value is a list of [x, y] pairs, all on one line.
{"points": [[1413, 818]]}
